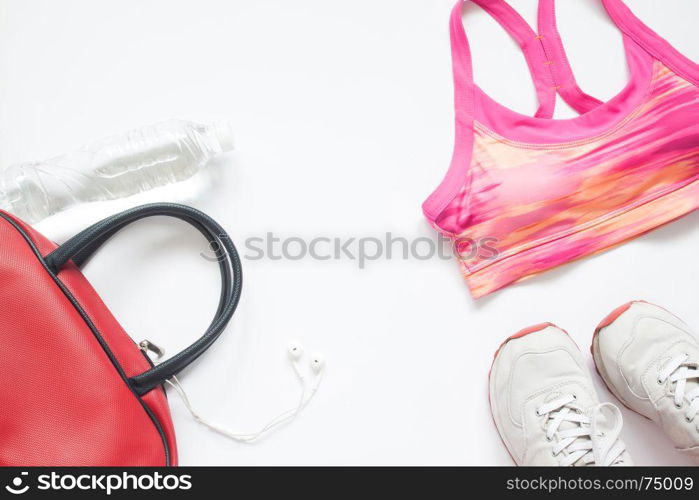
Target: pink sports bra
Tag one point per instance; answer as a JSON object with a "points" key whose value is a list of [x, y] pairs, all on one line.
{"points": [[525, 194]]}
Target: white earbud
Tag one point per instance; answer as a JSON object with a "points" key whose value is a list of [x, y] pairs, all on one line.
{"points": [[317, 362], [295, 352], [317, 367]]}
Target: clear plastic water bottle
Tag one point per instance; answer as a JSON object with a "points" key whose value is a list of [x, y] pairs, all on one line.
{"points": [[115, 167]]}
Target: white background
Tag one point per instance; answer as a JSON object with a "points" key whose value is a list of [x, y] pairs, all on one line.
{"points": [[343, 114]]}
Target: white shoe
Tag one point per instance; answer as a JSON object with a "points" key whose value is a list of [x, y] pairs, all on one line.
{"points": [[544, 404], [648, 358]]}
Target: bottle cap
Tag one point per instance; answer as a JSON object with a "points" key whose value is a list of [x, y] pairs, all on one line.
{"points": [[223, 131]]}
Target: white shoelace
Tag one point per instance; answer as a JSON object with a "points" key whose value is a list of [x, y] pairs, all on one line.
{"points": [[584, 439], [678, 371]]}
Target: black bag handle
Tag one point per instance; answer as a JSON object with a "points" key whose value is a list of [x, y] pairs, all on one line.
{"points": [[82, 246]]}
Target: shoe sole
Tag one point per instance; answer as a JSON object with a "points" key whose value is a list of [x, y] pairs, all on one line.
{"points": [[520, 334], [594, 350]]}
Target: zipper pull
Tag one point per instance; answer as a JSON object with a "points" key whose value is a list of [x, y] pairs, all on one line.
{"points": [[148, 346]]}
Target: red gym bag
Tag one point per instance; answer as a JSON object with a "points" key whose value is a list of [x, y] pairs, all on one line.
{"points": [[74, 388]]}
